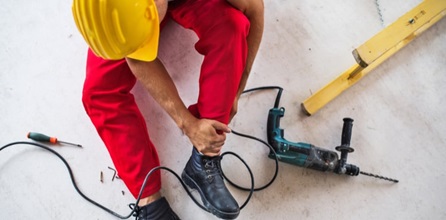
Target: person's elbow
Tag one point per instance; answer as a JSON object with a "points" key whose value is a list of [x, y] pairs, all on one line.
{"points": [[251, 8]]}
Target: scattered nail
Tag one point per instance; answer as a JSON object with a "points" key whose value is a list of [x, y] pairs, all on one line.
{"points": [[114, 173]]}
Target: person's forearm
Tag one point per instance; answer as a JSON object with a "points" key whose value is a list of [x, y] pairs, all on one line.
{"points": [[157, 81], [201, 132]]}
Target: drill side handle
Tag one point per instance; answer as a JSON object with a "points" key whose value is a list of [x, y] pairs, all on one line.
{"points": [[347, 132], [345, 149]]}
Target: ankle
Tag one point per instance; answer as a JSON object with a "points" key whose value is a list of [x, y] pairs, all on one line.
{"points": [[157, 210], [149, 199]]}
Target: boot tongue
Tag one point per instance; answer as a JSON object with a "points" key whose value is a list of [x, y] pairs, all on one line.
{"points": [[211, 162]]}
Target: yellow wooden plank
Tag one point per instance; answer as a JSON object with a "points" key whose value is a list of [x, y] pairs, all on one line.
{"points": [[337, 86], [331, 90], [357, 71], [402, 31]]}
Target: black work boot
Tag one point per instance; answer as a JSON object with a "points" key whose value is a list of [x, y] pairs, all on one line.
{"points": [[157, 210], [203, 174]]}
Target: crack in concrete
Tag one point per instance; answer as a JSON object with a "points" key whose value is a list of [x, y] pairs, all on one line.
{"points": [[378, 7]]}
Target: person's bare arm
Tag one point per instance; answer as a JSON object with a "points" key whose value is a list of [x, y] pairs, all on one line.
{"points": [[201, 132], [254, 11]]}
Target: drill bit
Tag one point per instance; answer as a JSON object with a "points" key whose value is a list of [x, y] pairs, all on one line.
{"points": [[379, 177]]}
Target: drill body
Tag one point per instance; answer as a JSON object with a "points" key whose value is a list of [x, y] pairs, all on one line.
{"points": [[307, 155]]}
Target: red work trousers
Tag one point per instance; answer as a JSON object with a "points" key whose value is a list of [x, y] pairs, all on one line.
{"points": [[222, 31]]}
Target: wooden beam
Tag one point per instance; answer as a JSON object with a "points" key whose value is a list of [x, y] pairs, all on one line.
{"points": [[378, 49]]}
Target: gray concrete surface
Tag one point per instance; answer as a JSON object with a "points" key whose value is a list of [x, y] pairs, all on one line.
{"points": [[399, 129]]}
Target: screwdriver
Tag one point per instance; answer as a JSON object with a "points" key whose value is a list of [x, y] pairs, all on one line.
{"points": [[44, 138]]}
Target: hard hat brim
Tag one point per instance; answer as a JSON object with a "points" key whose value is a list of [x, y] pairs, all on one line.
{"points": [[149, 51]]}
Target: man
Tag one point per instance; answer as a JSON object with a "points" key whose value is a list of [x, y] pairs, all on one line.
{"points": [[123, 40]]}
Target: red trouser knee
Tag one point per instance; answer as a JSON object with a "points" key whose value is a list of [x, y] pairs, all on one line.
{"points": [[222, 32]]}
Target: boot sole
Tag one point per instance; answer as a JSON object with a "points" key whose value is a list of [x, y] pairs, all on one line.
{"points": [[210, 208]]}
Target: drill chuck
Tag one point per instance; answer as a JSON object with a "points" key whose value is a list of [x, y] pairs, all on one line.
{"points": [[351, 170]]}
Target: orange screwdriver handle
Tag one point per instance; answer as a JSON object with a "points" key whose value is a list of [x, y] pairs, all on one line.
{"points": [[41, 137]]}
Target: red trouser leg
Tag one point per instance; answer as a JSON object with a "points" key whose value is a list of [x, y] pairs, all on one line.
{"points": [[113, 111], [222, 32]]}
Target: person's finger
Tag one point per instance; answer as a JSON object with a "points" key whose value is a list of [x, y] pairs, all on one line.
{"points": [[211, 152], [220, 126]]}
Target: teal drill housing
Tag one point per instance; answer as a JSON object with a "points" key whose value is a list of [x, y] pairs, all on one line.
{"points": [[307, 155]]}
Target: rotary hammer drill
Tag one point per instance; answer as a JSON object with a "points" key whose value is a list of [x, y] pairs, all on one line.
{"points": [[307, 155]]}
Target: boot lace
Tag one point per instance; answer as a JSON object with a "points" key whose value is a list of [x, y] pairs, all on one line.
{"points": [[212, 168], [137, 210]]}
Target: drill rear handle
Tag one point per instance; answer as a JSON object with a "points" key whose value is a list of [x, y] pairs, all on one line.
{"points": [[308, 155]]}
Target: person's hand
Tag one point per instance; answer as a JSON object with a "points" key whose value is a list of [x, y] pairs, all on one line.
{"points": [[208, 136]]}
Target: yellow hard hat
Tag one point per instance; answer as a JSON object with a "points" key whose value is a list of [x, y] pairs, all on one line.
{"points": [[115, 29]]}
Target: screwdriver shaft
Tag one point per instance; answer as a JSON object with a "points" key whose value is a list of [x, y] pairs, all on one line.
{"points": [[64, 142]]}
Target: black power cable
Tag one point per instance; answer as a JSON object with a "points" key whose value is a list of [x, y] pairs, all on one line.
{"points": [[71, 176], [278, 96], [276, 105], [275, 172], [133, 205]]}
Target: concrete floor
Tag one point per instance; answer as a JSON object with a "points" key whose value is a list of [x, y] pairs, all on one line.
{"points": [[399, 128]]}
